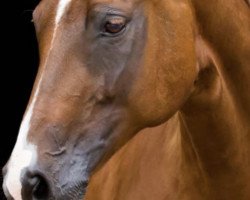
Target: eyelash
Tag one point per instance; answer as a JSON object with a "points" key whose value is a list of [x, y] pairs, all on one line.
{"points": [[109, 18], [113, 29]]}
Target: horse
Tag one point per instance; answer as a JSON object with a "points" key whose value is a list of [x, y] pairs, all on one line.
{"points": [[137, 100]]}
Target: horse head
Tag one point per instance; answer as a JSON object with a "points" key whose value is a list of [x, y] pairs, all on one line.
{"points": [[107, 70]]}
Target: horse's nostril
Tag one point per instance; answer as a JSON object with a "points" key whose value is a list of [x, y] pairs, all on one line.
{"points": [[40, 189], [34, 187]]}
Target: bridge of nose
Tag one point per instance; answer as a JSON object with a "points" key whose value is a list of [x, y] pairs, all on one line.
{"points": [[24, 153]]}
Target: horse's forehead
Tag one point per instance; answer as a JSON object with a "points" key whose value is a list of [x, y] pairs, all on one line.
{"points": [[60, 5]]}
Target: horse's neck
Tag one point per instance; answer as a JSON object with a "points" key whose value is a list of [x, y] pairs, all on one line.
{"points": [[215, 120]]}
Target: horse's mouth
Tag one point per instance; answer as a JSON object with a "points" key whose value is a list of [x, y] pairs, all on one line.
{"points": [[69, 190]]}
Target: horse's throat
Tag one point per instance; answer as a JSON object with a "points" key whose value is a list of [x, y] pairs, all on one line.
{"points": [[215, 130]]}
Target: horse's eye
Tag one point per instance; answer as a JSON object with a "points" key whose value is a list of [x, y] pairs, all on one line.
{"points": [[114, 25]]}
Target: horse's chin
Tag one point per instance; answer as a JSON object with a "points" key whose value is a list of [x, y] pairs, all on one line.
{"points": [[74, 191]]}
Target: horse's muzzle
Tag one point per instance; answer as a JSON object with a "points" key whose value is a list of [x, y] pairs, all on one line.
{"points": [[5, 190], [7, 194], [35, 186]]}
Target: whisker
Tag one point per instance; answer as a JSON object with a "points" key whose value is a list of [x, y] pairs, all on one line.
{"points": [[26, 11]]}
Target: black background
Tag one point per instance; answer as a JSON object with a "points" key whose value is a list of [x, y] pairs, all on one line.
{"points": [[19, 62]]}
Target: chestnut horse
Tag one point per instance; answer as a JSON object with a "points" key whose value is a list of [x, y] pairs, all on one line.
{"points": [[137, 100]]}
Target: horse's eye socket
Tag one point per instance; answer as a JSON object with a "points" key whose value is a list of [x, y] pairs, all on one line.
{"points": [[114, 25]]}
